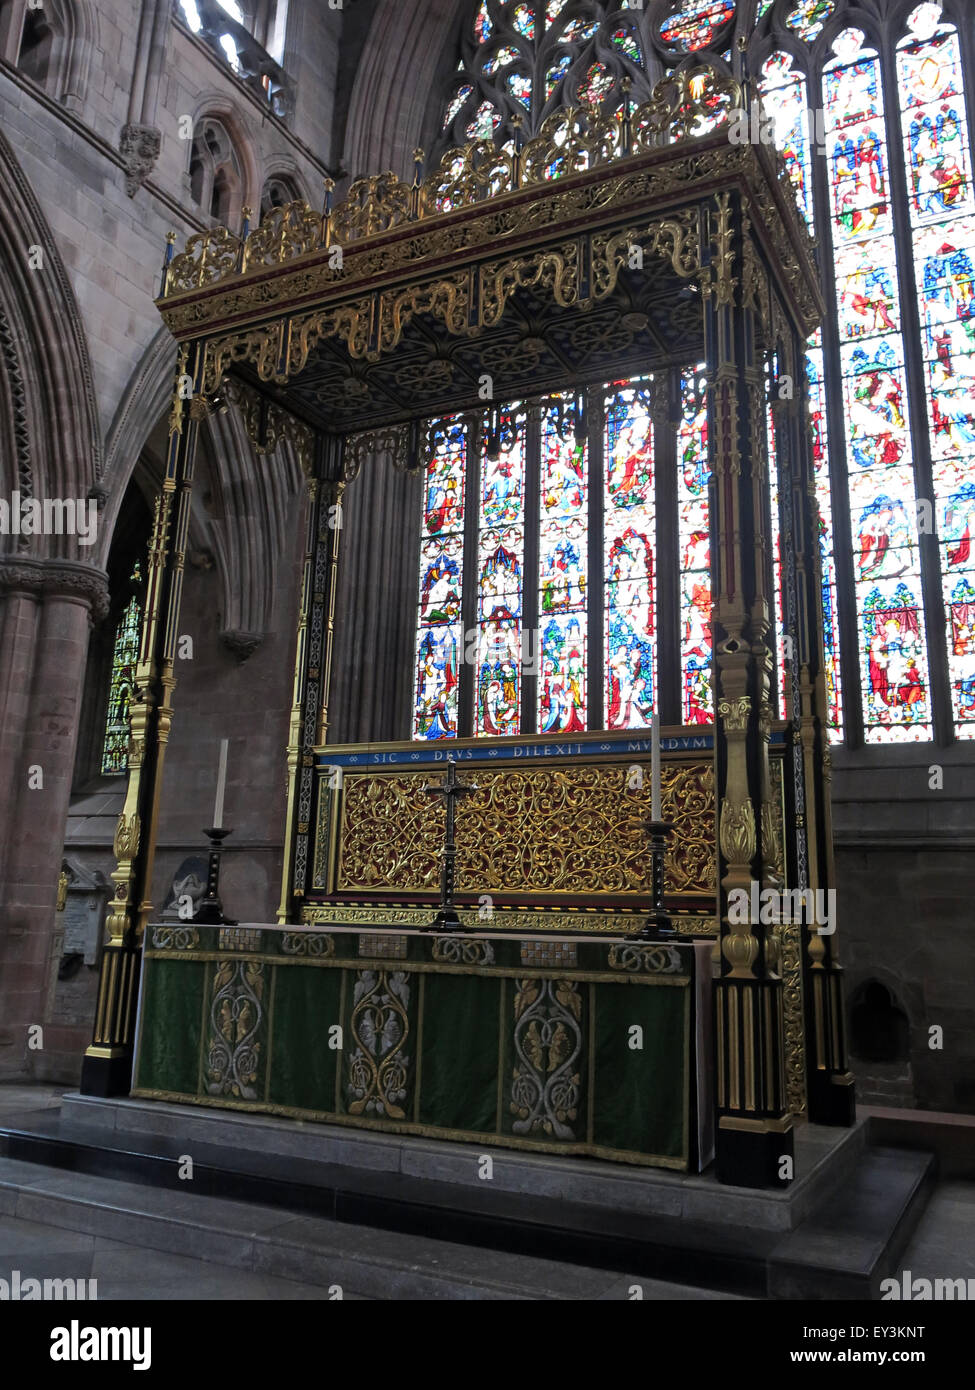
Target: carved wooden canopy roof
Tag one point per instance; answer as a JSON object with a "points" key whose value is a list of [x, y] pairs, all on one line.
{"points": [[585, 253]]}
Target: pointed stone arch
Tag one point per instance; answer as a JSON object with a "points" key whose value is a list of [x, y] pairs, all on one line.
{"points": [[49, 387]]}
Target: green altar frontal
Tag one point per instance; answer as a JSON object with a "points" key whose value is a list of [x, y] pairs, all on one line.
{"points": [[560, 1045]]}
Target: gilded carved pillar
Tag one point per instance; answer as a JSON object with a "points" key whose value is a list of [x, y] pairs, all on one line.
{"points": [[313, 663], [754, 1127], [108, 1061]]}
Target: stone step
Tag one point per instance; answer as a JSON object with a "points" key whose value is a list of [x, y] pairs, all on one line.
{"points": [[511, 1213], [851, 1244], [360, 1260], [825, 1160]]}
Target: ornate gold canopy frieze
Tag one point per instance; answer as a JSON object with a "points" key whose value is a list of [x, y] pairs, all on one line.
{"points": [[624, 218]]}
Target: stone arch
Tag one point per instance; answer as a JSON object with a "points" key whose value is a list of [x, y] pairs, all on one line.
{"points": [[66, 35], [388, 117], [49, 393], [146, 399]]}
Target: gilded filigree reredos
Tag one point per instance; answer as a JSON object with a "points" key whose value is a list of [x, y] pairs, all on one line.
{"points": [[541, 830]]}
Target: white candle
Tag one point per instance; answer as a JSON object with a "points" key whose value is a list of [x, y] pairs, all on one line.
{"points": [[655, 809], [221, 786]]}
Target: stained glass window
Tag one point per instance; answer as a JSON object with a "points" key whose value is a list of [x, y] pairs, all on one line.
{"points": [[524, 20], [695, 22], [501, 59], [563, 573], [483, 27], [693, 477], [125, 654], [626, 41], [784, 93], [629, 546], [456, 102], [439, 625], [556, 72], [820, 435], [778, 693], [595, 86], [886, 564], [577, 30], [500, 570], [942, 213], [486, 120], [809, 18]]}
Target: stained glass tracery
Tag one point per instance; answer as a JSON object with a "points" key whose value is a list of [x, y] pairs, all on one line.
{"points": [[125, 653], [886, 565], [439, 623], [695, 23], [693, 479], [937, 156]]}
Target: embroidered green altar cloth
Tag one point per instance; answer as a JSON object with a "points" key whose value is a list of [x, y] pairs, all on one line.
{"points": [[556, 1044]]}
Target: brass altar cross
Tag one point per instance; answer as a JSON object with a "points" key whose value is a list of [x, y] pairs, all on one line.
{"points": [[450, 789]]}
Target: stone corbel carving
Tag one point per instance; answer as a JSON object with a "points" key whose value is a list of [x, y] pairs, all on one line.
{"points": [[139, 146]]}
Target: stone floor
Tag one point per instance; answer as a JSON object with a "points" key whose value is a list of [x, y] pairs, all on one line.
{"points": [[943, 1247]]}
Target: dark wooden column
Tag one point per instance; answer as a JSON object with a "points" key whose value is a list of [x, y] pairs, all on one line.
{"points": [[754, 1134]]}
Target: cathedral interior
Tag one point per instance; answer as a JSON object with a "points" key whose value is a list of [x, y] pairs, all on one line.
{"points": [[571, 399]]}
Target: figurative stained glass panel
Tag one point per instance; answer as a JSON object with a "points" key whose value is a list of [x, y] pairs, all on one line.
{"points": [[696, 22], [500, 572], [563, 570], [784, 91], [693, 477], [523, 19], [820, 437], [578, 30], [501, 59], [809, 17], [779, 696], [456, 103], [942, 209], [486, 120], [626, 41], [556, 72], [439, 627], [483, 25], [629, 551], [596, 85], [887, 580], [520, 87], [125, 654]]}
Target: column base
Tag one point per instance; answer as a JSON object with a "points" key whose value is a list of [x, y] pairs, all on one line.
{"points": [[831, 1099], [106, 1072], [749, 1153]]}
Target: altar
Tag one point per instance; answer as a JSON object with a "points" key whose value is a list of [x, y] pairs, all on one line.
{"points": [[549, 1043], [547, 377]]}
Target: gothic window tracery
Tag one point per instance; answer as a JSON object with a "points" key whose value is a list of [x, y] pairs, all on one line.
{"points": [[215, 173], [869, 110], [125, 653]]}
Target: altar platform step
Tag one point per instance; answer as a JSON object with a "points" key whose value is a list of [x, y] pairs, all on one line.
{"points": [[834, 1234]]}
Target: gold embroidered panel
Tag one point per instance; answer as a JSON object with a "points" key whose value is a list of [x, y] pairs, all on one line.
{"points": [[565, 830]]}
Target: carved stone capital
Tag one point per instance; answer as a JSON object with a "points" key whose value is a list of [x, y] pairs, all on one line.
{"points": [[139, 146], [56, 578]]}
